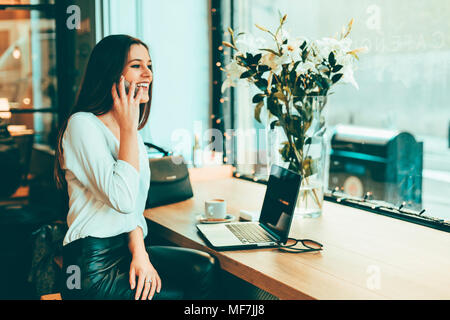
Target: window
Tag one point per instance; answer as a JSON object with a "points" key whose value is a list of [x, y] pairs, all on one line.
{"points": [[403, 87], [28, 68]]}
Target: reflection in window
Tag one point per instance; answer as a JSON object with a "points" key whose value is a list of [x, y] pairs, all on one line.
{"points": [[25, 2], [403, 88], [28, 68]]}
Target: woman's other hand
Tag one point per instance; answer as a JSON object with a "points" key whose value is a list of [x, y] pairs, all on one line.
{"points": [[148, 280]]}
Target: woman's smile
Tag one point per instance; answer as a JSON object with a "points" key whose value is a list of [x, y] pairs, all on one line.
{"points": [[139, 70]]}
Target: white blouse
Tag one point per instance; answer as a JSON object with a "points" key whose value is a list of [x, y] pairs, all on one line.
{"points": [[106, 196]]}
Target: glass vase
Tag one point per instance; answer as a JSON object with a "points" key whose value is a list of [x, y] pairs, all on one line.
{"points": [[313, 159], [310, 196]]}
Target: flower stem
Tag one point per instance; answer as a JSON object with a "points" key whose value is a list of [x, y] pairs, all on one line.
{"points": [[316, 197], [299, 157]]}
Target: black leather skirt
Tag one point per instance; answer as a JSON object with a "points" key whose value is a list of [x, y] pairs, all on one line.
{"points": [[98, 268]]}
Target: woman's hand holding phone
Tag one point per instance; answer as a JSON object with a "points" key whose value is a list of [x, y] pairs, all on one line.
{"points": [[126, 105]]}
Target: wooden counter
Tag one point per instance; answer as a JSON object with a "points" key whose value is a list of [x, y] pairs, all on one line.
{"points": [[365, 256]]}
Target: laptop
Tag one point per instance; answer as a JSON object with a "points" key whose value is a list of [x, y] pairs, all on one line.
{"points": [[275, 219]]}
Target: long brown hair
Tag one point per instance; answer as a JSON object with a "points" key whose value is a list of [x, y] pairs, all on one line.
{"points": [[105, 66]]}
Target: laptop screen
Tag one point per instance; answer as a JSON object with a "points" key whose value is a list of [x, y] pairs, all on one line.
{"points": [[279, 201]]}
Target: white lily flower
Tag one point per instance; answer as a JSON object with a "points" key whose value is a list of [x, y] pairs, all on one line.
{"points": [[345, 60], [306, 67], [233, 71], [324, 46], [318, 51], [247, 43], [293, 48], [227, 84], [275, 62], [349, 76]]}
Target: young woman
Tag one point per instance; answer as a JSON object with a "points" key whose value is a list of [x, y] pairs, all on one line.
{"points": [[102, 161]]}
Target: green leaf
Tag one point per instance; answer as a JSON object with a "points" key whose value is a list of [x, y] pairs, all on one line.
{"points": [[321, 82], [318, 82], [262, 84], [298, 91], [274, 124], [296, 100], [337, 68], [292, 78], [263, 68], [258, 111], [303, 46], [332, 59], [304, 55], [256, 58], [336, 77], [273, 107], [285, 151], [258, 98], [253, 68], [248, 74], [242, 59], [324, 69]]}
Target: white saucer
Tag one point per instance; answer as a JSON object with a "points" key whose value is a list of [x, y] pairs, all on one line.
{"points": [[202, 219]]}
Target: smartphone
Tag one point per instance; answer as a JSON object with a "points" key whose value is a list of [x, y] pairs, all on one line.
{"points": [[127, 87]]}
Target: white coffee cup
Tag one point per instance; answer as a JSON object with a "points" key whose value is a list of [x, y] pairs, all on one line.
{"points": [[215, 209]]}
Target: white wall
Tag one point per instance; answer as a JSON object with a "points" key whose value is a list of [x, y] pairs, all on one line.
{"points": [[176, 32]]}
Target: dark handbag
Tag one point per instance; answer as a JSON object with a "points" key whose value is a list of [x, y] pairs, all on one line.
{"points": [[169, 182]]}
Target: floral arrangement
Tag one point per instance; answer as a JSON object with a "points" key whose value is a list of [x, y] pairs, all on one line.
{"points": [[294, 76]]}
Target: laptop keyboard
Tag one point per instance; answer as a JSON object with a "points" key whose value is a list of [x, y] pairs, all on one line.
{"points": [[249, 233]]}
